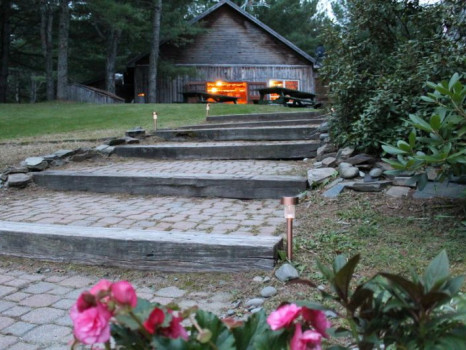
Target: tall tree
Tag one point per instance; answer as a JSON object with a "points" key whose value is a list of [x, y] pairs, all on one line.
{"points": [[62, 66], [4, 48], [154, 51], [46, 34]]}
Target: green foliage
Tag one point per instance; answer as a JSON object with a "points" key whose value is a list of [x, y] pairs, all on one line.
{"points": [[439, 141], [377, 69], [392, 310]]}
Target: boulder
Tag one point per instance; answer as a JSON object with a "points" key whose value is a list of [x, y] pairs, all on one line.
{"points": [[398, 191], [376, 172], [329, 162], [268, 292], [349, 172], [361, 159], [375, 186], [18, 180], [63, 153], [36, 163], [286, 272], [316, 176], [345, 153]]}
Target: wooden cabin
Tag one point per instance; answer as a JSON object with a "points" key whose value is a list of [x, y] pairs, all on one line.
{"points": [[236, 55]]}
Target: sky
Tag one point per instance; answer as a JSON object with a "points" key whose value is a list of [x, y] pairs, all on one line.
{"points": [[325, 4]]}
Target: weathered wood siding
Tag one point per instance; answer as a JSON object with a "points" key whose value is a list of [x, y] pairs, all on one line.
{"points": [[231, 49], [82, 93], [169, 90]]}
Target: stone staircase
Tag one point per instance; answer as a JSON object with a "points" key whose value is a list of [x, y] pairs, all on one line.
{"points": [[229, 159]]}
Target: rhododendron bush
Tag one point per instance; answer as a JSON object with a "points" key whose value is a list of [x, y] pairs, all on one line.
{"points": [[386, 310]]}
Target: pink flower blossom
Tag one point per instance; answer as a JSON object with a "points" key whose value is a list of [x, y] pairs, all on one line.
{"points": [[175, 329], [155, 319], [309, 340], [283, 316], [91, 325], [85, 301], [124, 293], [317, 319], [101, 286]]}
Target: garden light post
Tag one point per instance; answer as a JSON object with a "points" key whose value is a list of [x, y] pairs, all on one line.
{"points": [[207, 109], [154, 116], [289, 204]]}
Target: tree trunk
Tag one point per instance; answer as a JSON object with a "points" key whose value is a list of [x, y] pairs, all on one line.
{"points": [[112, 49], [4, 48], [46, 26], [154, 52], [62, 66]]}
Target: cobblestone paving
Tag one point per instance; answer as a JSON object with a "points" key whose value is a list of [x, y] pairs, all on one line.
{"points": [[34, 307], [211, 215], [230, 167]]}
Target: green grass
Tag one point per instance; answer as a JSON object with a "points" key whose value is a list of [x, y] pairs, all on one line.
{"points": [[45, 119]]}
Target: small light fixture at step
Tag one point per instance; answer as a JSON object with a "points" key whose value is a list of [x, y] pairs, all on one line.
{"points": [[289, 204], [154, 116]]}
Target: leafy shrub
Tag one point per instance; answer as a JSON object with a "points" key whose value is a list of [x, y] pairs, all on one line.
{"points": [[439, 142]]}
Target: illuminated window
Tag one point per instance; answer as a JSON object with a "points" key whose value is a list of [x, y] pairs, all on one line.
{"points": [[288, 84], [235, 89]]}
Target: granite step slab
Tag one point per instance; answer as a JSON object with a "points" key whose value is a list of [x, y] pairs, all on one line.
{"points": [[247, 134], [223, 150], [313, 122], [198, 185], [263, 117], [139, 249]]}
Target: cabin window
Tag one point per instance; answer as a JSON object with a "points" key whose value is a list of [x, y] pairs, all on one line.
{"points": [[288, 84], [236, 89]]}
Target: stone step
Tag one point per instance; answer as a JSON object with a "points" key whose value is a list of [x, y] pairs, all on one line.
{"points": [[263, 117], [281, 133], [200, 185], [223, 150], [314, 122], [139, 249]]}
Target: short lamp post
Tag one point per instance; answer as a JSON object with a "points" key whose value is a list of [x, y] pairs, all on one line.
{"points": [[154, 117], [207, 109], [289, 204]]}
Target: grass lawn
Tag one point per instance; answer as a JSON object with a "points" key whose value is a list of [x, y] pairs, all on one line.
{"points": [[58, 120]]}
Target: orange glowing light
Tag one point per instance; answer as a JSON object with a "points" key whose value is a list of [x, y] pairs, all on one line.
{"points": [[141, 94], [219, 83]]}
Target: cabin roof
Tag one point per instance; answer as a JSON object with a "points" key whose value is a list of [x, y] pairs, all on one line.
{"points": [[251, 18]]}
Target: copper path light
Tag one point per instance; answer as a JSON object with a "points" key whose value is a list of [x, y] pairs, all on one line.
{"points": [[289, 204]]}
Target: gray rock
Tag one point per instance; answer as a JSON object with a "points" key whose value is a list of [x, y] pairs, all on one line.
{"points": [[316, 176], [116, 141], [349, 172], [361, 173], [333, 183], [50, 157], [105, 149], [317, 165], [361, 158], [137, 132], [131, 140], [323, 136], [266, 279], [334, 191], [63, 153], [375, 186], [325, 149], [286, 272], [230, 312], [58, 162], [253, 303], [398, 192], [345, 153], [403, 181], [376, 172], [324, 127], [256, 309], [384, 166], [343, 165], [441, 190], [83, 155], [36, 163], [257, 279], [268, 292], [18, 180], [329, 162]]}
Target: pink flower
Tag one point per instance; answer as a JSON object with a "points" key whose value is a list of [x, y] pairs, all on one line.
{"points": [[155, 319], [85, 301], [101, 286], [175, 329], [317, 319], [124, 293], [309, 340], [91, 325], [283, 316]]}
